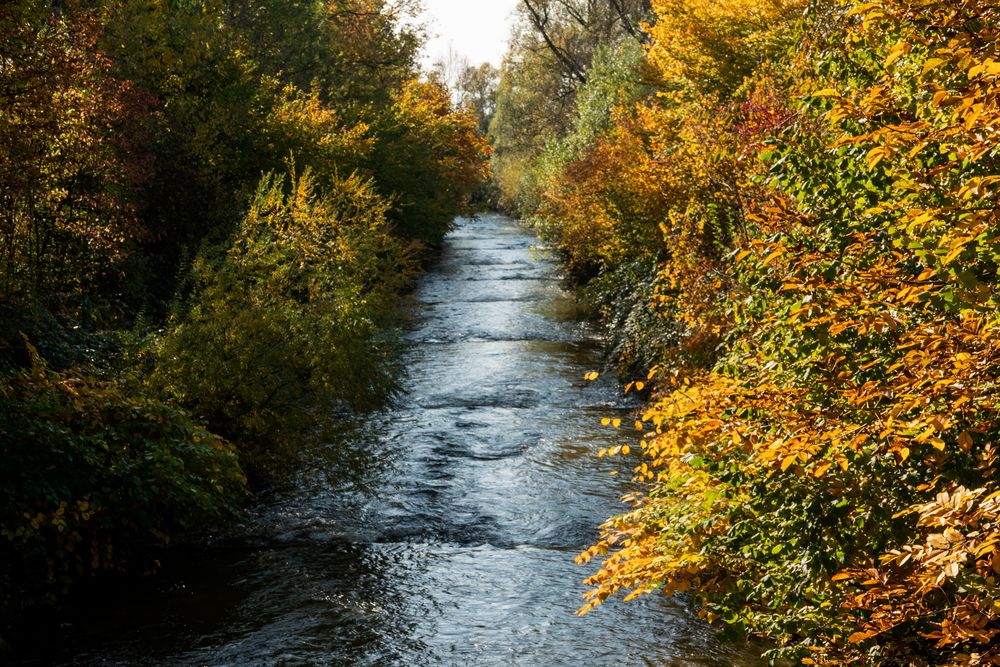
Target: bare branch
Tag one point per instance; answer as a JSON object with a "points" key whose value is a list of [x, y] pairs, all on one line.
{"points": [[540, 21]]}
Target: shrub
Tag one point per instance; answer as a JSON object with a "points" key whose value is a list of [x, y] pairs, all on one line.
{"points": [[829, 479], [91, 476], [283, 332]]}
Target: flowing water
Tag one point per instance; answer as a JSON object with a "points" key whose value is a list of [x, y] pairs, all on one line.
{"points": [[463, 555]]}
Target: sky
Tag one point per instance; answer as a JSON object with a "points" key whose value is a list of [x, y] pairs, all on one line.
{"points": [[476, 29]]}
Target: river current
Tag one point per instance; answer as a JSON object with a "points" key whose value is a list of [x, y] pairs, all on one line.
{"points": [[462, 553]]}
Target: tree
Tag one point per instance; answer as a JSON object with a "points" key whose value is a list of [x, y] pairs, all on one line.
{"points": [[477, 91], [178, 294], [68, 164], [429, 159], [281, 334], [823, 472], [572, 29], [552, 50]]}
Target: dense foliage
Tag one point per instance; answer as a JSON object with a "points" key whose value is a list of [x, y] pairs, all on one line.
{"points": [[796, 235], [207, 212], [282, 333], [92, 476]]}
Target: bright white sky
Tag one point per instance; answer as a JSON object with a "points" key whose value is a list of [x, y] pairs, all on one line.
{"points": [[476, 29]]}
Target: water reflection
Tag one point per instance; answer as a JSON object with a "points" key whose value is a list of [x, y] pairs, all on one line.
{"points": [[464, 552]]}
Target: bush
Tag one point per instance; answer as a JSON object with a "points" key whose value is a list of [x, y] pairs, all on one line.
{"points": [[90, 477], [429, 160], [283, 333], [828, 476]]}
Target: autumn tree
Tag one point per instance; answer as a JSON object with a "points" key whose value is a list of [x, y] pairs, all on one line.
{"points": [[157, 293], [553, 48], [267, 347], [69, 167], [817, 460]]}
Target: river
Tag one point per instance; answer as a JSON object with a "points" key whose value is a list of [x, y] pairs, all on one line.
{"points": [[462, 554]]}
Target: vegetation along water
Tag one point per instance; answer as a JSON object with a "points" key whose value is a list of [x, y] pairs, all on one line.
{"points": [[272, 394]]}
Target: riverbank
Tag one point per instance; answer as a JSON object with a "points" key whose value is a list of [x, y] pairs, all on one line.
{"points": [[209, 214], [786, 213]]}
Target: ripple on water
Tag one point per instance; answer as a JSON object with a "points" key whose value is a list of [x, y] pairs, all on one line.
{"points": [[407, 604]]}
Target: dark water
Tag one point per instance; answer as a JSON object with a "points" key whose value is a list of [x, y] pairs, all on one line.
{"points": [[464, 555]]}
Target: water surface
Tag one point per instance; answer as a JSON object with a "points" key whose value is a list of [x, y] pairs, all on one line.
{"points": [[464, 553]]}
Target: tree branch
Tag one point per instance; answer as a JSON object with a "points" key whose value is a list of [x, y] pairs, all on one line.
{"points": [[540, 20]]}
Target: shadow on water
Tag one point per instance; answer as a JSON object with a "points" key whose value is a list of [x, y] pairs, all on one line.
{"points": [[462, 552]]}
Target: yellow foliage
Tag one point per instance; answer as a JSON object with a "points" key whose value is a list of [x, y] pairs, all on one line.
{"points": [[832, 392], [704, 46], [301, 122]]}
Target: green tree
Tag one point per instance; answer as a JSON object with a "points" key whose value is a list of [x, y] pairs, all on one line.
{"points": [[477, 91]]}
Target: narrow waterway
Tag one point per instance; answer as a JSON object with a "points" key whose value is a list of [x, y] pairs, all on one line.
{"points": [[463, 553]]}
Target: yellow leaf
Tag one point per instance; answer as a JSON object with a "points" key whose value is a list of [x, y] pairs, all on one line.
{"points": [[787, 462], [861, 9], [926, 274], [827, 92], [773, 256], [953, 254], [932, 63], [895, 52], [875, 156]]}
